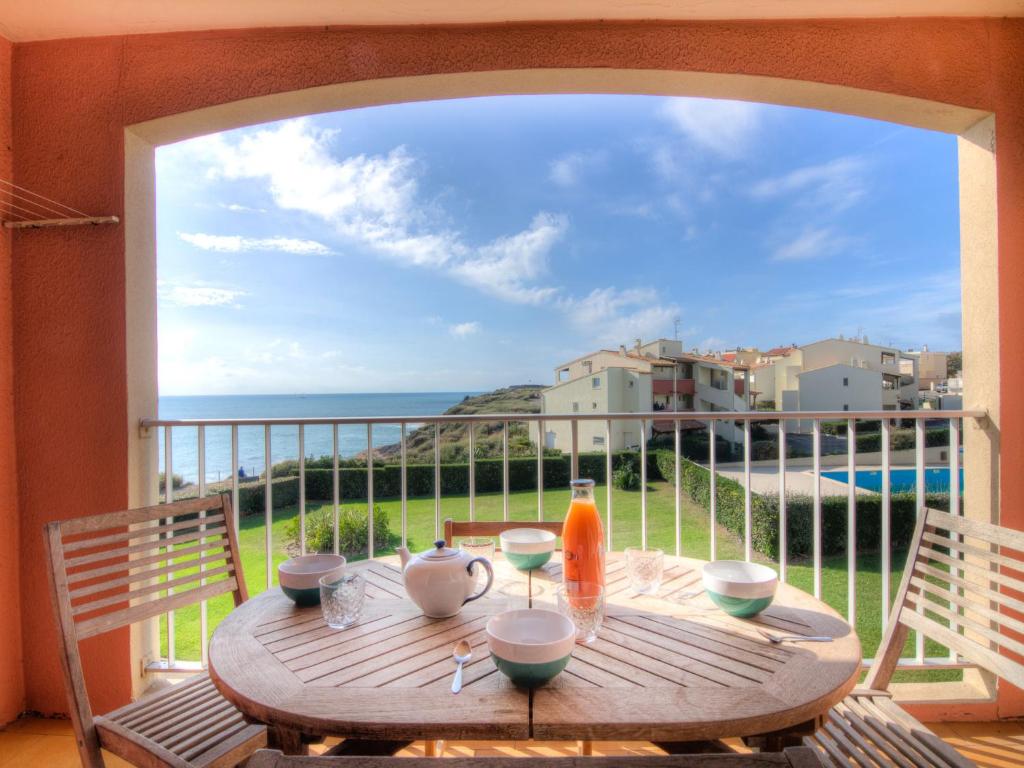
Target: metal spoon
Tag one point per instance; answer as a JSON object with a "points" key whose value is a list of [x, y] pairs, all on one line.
{"points": [[462, 653], [794, 638]]}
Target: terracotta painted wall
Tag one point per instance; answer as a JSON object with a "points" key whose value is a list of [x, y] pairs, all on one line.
{"points": [[72, 99], [12, 684]]}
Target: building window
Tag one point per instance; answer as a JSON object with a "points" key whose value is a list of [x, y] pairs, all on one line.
{"points": [[598, 440], [596, 382], [588, 366], [846, 407], [846, 381], [575, 407], [594, 405]]}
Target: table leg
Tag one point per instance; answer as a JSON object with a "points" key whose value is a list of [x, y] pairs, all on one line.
{"points": [[433, 748], [288, 741], [586, 747], [776, 741]]}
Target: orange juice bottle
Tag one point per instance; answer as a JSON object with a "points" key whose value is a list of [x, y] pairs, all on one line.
{"points": [[583, 537]]}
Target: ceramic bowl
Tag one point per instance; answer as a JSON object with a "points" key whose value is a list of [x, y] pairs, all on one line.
{"points": [[300, 577], [527, 548], [530, 646], [739, 588]]}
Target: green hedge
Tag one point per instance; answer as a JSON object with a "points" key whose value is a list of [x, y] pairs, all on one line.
{"points": [[387, 479], [695, 482]]}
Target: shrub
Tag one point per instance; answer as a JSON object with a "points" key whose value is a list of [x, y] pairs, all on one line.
{"points": [[177, 481], [352, 531], [626, 478], [695, 482]]}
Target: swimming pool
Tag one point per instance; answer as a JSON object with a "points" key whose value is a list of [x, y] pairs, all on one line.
{"points": [[936, 479]]}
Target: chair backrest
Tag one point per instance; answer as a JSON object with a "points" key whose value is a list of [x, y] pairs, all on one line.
{"points": [[453, 528], [111, 570], [792, 757], [957, 589]]}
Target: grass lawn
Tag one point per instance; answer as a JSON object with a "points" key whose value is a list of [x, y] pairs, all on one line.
{"points": [[696, 542]]}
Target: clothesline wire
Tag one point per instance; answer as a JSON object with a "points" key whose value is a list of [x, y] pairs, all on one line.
{"points": [[26, 199], [11, 204]]}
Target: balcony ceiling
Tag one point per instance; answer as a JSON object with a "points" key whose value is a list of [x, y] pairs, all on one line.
{"points": [[22, 21]]}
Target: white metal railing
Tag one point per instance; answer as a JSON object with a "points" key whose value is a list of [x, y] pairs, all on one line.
{"points": [[783, 468]]}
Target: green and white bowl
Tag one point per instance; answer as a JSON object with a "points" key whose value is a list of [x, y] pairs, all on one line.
{"points": [[299, 577], [527, 548], [739, 588], [530, 646]]}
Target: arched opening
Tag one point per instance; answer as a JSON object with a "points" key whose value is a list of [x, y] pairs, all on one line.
{"points": [[977, 202]]}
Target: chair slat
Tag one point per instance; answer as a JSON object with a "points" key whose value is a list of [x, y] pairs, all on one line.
{"points": [[979, 590], [141, 515], [993, 534], [148, 546], [161, 557], [966, 548], [961, 565], [134, 594], [139, 533], [966, 622], [971, 650], [147, 610], [462, 528], [970, 603], [152, 573]]}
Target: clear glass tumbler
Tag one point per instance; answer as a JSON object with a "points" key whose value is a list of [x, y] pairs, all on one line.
{"points": [[479, 546], [583, 603], [644, 569], [341, 599]]}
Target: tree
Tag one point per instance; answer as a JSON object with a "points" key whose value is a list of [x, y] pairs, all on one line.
{"points": [[954, 363]]}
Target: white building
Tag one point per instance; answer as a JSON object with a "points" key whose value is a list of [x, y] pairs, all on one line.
{"points": [[837, 375], [657, 376]]}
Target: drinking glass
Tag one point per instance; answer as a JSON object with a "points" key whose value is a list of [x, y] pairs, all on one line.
{"points": [[583, 603], [644, 568], [479, 546], [341, 599]]}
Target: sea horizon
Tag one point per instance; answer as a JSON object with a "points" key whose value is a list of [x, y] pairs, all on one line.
{"points": [[318, 439]]}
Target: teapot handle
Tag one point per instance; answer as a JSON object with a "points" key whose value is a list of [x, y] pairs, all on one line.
{"points": [[490, 577]]}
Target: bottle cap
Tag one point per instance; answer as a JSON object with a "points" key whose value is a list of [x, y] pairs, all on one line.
{"points": [[581, 483]]}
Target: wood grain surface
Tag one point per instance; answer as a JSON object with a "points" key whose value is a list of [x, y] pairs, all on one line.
{"points": [[669, 667]]}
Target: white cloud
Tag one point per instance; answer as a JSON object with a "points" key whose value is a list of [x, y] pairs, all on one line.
{"points": [[238, 208], [611, 316], [239, 244], [712, 344], [568, 170], [837, 184], [508, 266], [199, 295], [726, 128], [461, 330], [811, 244]]}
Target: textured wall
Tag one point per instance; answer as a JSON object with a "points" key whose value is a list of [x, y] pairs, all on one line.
{"points": [[72, 99], [12, 692]]}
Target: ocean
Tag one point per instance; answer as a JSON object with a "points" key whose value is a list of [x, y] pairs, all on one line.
{"points": [[284, 439]]}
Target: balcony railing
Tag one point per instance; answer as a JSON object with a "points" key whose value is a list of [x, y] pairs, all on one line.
{"points": [[718, 423]]}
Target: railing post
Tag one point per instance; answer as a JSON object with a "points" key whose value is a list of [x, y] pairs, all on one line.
{"points": [[608, 481], [471, 428], [204, 625], [336, 488], [783, 520], [679, 491], [302, 489], [817, 506], [405, 489], [504, 470], [919, 503], [851, 521], [540, 470], [234, 477], [437, 480], [268, 499], [713, 498], [748, 509], [574, 457], [169, 499], [369, 492], [886, 525], [643, 483]]}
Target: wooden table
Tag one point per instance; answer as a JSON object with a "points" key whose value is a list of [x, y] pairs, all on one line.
{"points": [[665, 668]]}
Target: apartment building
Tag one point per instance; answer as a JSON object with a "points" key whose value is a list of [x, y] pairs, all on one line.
{"points": [[657, 376], [836, 375], [932, 369]]}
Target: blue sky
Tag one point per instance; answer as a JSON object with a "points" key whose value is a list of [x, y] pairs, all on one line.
{"points": [[475, 243]]}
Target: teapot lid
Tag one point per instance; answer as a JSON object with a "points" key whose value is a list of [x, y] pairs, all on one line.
{"points": [[440, 552]]}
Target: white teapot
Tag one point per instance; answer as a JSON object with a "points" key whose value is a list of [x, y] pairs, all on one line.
{"points": [[441, 580]]}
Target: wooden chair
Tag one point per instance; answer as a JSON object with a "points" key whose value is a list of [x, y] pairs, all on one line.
{"points": [[954, 591], [462, 528], [109, 571], [793, 757]]}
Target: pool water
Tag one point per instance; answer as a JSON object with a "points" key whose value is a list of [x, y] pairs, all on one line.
{"points": [[936, 479]]}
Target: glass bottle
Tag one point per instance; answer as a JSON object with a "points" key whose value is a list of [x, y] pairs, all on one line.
{"points": [[583, 538]]}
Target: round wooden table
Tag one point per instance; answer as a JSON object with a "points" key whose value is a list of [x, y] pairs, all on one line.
{"points": [[665, 668]]}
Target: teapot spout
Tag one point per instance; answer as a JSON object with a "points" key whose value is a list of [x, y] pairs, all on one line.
{"points": [[403, 553]]}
